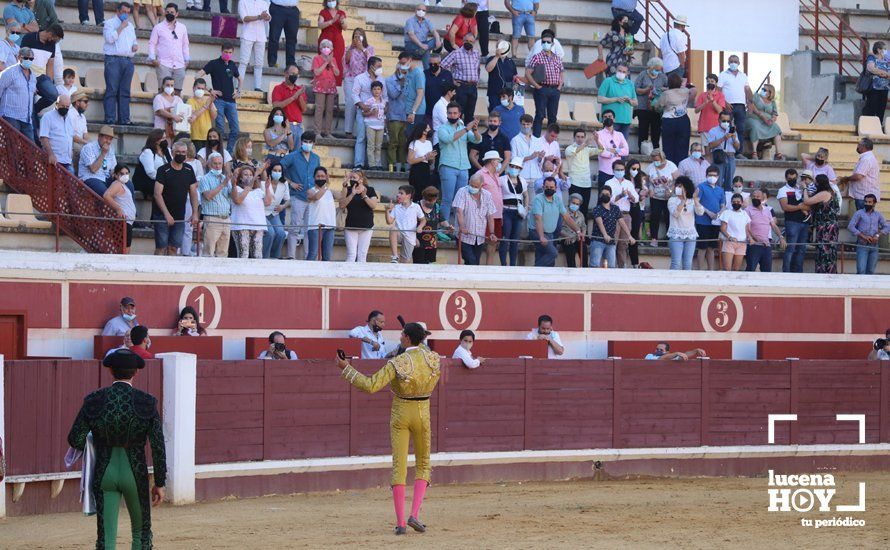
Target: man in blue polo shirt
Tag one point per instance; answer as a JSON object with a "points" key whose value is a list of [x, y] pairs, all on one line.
{"points": [[510, 113], [713, 199], [415, 94], [299, 168]]}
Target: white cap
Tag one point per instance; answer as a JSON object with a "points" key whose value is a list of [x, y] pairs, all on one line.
{"points": [[491, 155]]}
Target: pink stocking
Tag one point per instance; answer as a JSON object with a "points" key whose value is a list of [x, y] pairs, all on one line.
{"points": [[420, 486], [398, 500]]}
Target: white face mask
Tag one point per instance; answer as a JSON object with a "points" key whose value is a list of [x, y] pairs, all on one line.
{"points": [[712, 179], [737, 190], [199, 93], [724, 125], [633, 173], [678, 191], [420, 13], [125, 178], [168, 90], [620, 75], [378, 71]]}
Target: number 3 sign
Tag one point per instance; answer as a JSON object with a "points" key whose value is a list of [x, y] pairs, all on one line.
{"points": [[460, 310], [721, 313]]}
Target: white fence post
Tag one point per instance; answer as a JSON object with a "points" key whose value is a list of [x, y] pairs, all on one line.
{"points": [[180, 386], [2, 435]]}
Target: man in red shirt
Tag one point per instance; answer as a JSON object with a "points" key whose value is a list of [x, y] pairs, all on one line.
{"points": [[140, 342], [292, 99]]}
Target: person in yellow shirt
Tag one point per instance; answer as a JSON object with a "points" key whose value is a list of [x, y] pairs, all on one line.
{"points": [[412, 377], [577, 165], [203, 113]]}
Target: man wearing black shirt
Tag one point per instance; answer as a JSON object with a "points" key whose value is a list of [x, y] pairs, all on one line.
{"points": [[175, 184], [43, 46], [436, 79], [492, 140], [501, 73], [223, 73]]}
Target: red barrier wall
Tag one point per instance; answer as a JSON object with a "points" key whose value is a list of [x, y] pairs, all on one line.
{"points": [[306, 348], [816, 349], [638, 349], [495, 348], [205, 347]]}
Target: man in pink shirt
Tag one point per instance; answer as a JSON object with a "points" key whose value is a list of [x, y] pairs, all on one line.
{"points": [[760, 251], [614, 147], [490, 182], [168, 48], [866, 175]]}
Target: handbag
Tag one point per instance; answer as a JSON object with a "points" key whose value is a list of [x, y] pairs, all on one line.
{"points": [[595, 68], [866, 79], [224, 26], [520, 205]]}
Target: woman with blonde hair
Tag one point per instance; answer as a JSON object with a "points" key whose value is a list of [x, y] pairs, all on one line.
{"points": [[359, 199], [763, 112], [355, 62], [251, 196], [243, 154]]}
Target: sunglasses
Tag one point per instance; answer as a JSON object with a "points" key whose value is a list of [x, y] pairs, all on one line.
{"points": [[28, 58]]}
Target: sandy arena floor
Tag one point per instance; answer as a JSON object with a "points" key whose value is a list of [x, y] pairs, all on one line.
{"points": [[643, 513]]}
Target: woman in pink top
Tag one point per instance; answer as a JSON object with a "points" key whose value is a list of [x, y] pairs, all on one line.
{"points": [[326, 71], [355, 62], [709, 105], [491, 165]]}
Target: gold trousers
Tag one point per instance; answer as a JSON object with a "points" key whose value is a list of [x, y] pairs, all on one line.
{"points": [[410, 420]]}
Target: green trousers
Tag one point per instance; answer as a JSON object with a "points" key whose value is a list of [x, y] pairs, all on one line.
{"points": [[119, 481]]}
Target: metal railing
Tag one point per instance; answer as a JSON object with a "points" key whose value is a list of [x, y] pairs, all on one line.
{"points": [[657, 21], [59, 195], [834, 36]]}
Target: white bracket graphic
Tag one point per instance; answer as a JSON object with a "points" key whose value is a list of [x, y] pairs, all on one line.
{"points": [[771, 425], [855, 418]]}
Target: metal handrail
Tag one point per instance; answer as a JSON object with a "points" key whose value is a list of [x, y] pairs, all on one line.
{"points": [[833, 35], [656, 32]]}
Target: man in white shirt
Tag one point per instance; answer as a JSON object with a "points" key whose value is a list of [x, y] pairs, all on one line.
{"points": [[674, 45], [119, 48], [371, 335], [80, 101], [57, 134], [623, 195], [440, 109], [529, 149], [734, 85], [253, 14], [545, 332]]}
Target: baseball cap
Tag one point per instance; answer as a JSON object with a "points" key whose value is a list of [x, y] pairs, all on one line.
{"points": [[127, 301]]}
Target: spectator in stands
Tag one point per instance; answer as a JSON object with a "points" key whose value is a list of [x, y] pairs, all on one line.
{"points": [[876, 96], [332, 22], [406, 219], [97, 160], [216, 207], [695, 165], [359, 199], [371, 335], [164, 106], [80, 101], [215, 144], [98, 11], [176, 183], [324, 85], [663, 352], [613, 146], [607, 220], [539, 46], [464, 65], [292, 98], [420, 35], [490, 173], [285, 16], [168, 47], [454, 162], [865, 178], [882, 350], [420, 156], [243, 154], [760, 251], [735, 227], [713, 200], [275, 235], [433, 224], [322, 217], [674, 119], [68, 86], [734, 85], [154, 154], [203, 112], [299, 169], [723, 144], [42, 46], [620, 43], [523, 14], [529, 149], [824, 205], [818, 164], [57, 134], [154, 10], [545, 74], [762, 123], [709, 105], [649, 86], [278, 138], [662, 175], [251, 197], [572, 246], [738, 186], [624, 194], [502, 74], [628, 9], [375, 115], [464, 22], [475, 211], [361, 92], [45, 13], [440, 111], [492, 140], [120, 46], [797, 231], [545, 332], [683, 206], [189, 323], [549, 171], [119, 196], [355, 62], [577, 165], [140, 342], [394, 88], [222, 71], [462, 352], [543, 222], [867, 226], [121, 324], [618, 96], [510, 114], [415, 93], [278, 348], [9, 49], [254, 15], [637, 210], [436, 78], [674, 48], [19, 18]]}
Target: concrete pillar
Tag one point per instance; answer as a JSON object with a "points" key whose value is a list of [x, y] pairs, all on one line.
{"points": [[180, 386]]}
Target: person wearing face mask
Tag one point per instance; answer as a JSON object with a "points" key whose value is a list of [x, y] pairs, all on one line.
{"points": [[577, 163], [79, 101], [463, 23], [119, 196], [620, 44], [475, 211], [762, 123], [510, 113], [694, 166], [492, 166], [650, 84], [42, 45], [674, 46], [464, 65], [279, 141], [675, 120], [121, 324], [322, 217], [613, 147], [454, 162], [502, 74], [713, 200], [436, 79], [878, 66], [164, 106], [176, 183], [723, 144], [332, 22], [359, 199], [168, 47], [571, 244], [797, 230], [550, 171], [432, 228], [299, 169], [223, 76], [818, 164], [119, 48], [292, 98], [624, 194], [734, 85], [9, 49], [462, 352], [324, 85], [215, 189], [825, 204], [355, 62], [545, 74], [683, 206], [250, 199], [254, 15], [760, 250], [866, 174], [421, 35], [394, 90], [709, 105], [543, 219], [493, 139], [361, 92], [867, 225], [275, 232], [371, 335], [738, 187], [529, 149], [415, 93], [203, 112], [516, 203], [735, 226], [140, 342], [608, 228], [57, 134], [618, 95], [662, 175]]}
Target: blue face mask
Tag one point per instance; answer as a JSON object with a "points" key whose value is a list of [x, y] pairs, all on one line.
{"points": [[26, 63], [655, 72], [129, 316], [619, 174], [278, 119], [574, 207], [123, 16], [696, 155], [276, 176], [472, 190], [216, 173], [15, 38], [733, 66], [306, 147], [505, 102], [513, 171], [525, 131]]}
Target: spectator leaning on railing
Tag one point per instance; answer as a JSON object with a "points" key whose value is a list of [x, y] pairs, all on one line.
{"points": [[371, 335]]}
